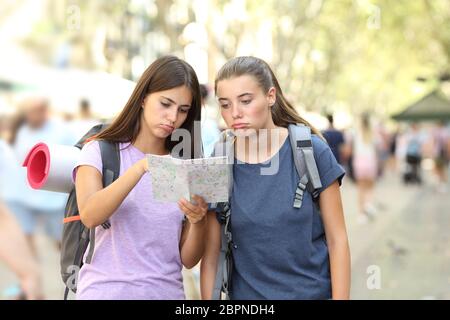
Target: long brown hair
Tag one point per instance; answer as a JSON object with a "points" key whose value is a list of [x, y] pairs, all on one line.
{"points": [[283, 113], [163, 74]]}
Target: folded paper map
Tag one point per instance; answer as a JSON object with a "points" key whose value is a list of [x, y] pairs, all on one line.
{"points": [[173, 179]]}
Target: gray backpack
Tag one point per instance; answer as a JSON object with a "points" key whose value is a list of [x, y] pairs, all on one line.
{"points": [[305, 164]]}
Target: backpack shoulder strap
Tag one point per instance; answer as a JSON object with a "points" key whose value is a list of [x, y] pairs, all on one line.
{"points": [[111, 161], [110, 154], [93, 131], [305, 164], [224, 147]]}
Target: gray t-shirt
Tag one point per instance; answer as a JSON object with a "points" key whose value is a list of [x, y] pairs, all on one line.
{"points": [[280, 251]]}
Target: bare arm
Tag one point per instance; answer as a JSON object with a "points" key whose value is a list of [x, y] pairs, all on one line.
{"points": [[208, 267], [15, 252], [336, 235], [95, 203], [192, 242]]}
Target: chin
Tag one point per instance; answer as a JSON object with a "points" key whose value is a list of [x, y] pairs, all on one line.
{"points": [[161, 133], [247, 132]]}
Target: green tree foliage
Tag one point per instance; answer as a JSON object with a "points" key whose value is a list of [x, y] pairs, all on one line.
{"points": [[361, 55]]}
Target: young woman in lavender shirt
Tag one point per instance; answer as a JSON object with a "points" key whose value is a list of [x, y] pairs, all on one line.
{"points": [[142, 254]]}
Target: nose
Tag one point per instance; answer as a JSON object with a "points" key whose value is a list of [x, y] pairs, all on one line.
{"points": [[235, 111], [172, 115]]}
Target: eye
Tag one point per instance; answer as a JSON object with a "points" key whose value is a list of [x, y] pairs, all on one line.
{"points": [[165, 104], [246, 101], [224, 105], [185, 110]]}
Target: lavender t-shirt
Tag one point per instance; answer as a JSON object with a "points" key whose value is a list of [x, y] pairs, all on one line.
{"points": [[139, 256]]}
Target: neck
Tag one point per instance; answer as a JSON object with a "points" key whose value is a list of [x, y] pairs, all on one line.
{"points": [[262, 136], [261, 146]]}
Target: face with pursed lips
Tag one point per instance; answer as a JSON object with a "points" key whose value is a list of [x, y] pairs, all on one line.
{"points": [[165, 111], [244, 105]]}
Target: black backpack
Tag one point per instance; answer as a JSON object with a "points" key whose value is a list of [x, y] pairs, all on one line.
{"points": [[76, 237]]}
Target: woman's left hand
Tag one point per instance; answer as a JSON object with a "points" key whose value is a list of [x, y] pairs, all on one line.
{"points": [[194, 212]]}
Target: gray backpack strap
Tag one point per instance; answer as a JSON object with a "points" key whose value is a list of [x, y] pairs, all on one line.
{"points": [[299, 192], [305, 164], [91, 245], [224, 147], [217, 290], [223, 265]]}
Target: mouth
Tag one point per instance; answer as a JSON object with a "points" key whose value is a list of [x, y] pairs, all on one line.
{"points": [[239, 125], [167, 128]]}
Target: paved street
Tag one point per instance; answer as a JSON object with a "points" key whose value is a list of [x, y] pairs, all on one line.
{"points": [[411, 250], [408, 246]]}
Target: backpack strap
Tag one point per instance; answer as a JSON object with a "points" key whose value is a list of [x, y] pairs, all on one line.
{"points": [[66, 293], [305, 164], [225, 146], [92, 132], [110, 154], [224, 265]]}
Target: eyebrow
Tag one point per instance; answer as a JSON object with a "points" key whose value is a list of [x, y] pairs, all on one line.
{"points": [[184, 105], [239, 96]]}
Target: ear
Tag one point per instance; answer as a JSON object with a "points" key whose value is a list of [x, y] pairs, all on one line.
{"points": [[271, 96], [143, 102]]}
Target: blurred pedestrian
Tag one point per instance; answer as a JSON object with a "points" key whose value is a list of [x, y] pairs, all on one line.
{"points": [[441, 152], [383, 146], [335, 139], [14, 249], [414, 148], [84, 121], [16, 254], [393, 144], [210, 128], [366, 167], [35, 206]]}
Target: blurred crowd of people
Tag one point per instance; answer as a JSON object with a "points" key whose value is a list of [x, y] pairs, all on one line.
{"points": [[368, 150], [24, 211]]}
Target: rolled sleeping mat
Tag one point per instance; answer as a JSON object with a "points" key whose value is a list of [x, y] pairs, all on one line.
{"points": [[49, 167]]}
